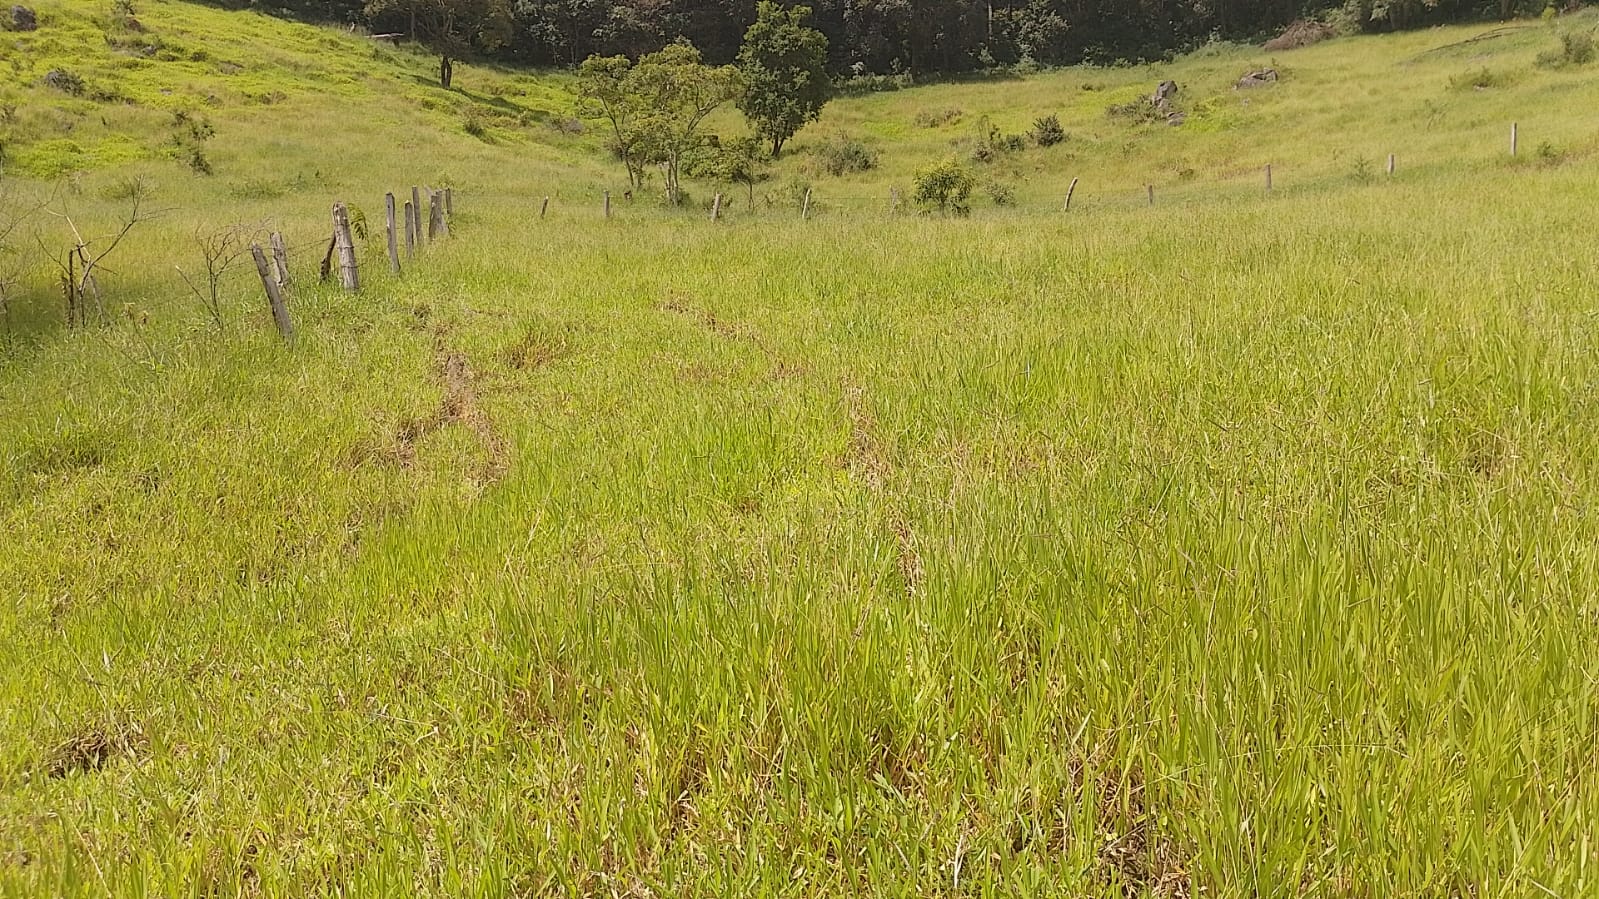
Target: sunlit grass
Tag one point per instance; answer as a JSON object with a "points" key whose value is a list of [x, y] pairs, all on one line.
{"points": [[1244, 545]]}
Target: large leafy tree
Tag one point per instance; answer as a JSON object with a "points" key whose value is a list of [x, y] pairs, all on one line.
{"points": [[657, 107], [784, 62], [451, 28]]}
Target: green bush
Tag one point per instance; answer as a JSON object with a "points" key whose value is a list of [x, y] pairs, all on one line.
{"points": [[945, 187], [1137, 112], [1001, 193], [1047, 131], [935, 118], [1576, 49], [475, 121], [65, 81], [1481, 80], [842, 155], [989, 142]]}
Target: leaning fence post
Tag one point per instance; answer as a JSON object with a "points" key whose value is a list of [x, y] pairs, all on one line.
{"points": [[544, 208], [1069, 191], [280, 311], [349, 275], [1390, 163], [394, 239], [805, 208], [280, 259]]}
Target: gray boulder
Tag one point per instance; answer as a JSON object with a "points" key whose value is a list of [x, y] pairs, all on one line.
{"points": [[1256, 79], [23, 19]]}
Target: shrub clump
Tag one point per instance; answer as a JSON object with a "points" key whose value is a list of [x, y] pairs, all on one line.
{"points": [[1576, 49], [65, 81], [989, 142], [945, 187], [189, 135], [937, 118], [1047, 131], [1481, 80], [843, 154]]}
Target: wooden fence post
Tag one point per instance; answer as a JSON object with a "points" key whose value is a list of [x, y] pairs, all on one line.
{"points": [[280, 259], [394, 239], [436, 226], [805, 208], [1512, 138], [1151, 194], [349, 275], [544, 208], [1069, 191], [280, 311], [410, 230], [716, 209], [1390, 163], [449, 204], [607, 204], [416, 211], [1268, 177]]}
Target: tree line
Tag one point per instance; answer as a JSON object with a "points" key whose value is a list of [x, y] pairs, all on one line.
{"points": [[916, 37]]}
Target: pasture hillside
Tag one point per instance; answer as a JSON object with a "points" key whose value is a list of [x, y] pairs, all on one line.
{"points": [[1239, 546]]}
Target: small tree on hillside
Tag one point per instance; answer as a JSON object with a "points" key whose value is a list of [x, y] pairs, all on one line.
{"points": [[945, 186], [604, 92], [451, 28], [741, 161], [785, 63], [656, 108]]}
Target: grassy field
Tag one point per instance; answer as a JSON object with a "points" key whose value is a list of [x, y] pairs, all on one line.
{"points": [[1242, 546]]}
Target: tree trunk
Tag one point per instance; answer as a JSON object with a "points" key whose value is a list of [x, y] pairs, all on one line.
{"points": [[446, 71], [777, 147]]}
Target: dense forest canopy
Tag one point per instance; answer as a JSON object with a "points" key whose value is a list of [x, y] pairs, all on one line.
{"points": [[911, 36]]}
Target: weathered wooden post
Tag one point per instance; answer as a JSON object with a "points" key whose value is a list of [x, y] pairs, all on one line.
{"points": [[349, 275], [1069, 191], [1512, 138], [416, 210], [1151, 194], [544, 208], [436, 227], [805, 208], [449, 204], [1390, 163], [394, 239], [280, 311], [410, 230], [1268, 177], [607, 205], [716, 208], [280, 259]]}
